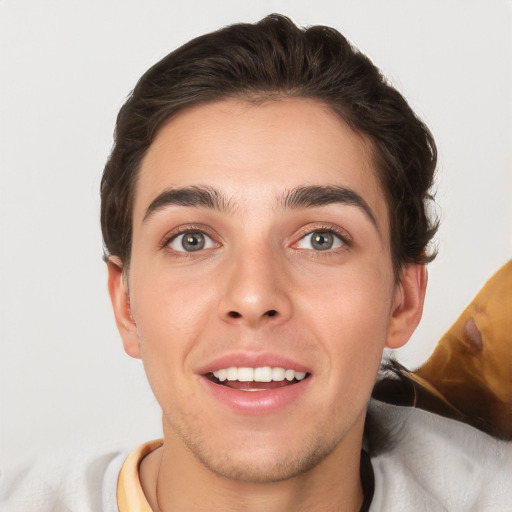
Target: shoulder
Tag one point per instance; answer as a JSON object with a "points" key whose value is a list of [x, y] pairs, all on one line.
{"points": [[423, 461], [83, 483]]}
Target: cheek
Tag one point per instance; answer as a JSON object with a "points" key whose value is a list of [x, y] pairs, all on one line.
{"points": [[351, 313], [165, 302], [170, 317], [351, 298], [170, 314]]}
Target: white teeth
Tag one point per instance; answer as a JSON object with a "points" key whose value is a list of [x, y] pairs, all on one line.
{"points": [[260, 374], [289, 374], [263, 374], [232, 373], [245, 374], [278, 374]]}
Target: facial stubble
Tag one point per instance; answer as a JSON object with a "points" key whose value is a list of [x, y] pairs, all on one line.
{"points": [[272, 465]]}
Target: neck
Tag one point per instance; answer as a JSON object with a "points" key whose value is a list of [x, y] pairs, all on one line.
{"points": [[174, 479]]}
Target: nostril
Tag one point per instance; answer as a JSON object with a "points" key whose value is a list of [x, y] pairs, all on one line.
{"points": [[236, 314]]}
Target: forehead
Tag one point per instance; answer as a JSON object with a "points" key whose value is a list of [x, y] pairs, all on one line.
{"points": [[254, 153]]}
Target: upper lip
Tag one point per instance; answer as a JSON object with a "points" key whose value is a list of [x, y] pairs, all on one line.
{"points": [[252, 360]]}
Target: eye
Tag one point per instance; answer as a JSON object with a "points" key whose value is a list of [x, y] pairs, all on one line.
{"points": [[191, 241], [320, 241]]}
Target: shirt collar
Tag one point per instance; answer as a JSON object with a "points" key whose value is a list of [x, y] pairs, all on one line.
{"points": [[130, 496]]}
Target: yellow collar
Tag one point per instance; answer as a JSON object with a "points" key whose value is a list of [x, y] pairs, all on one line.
{"points": [[130, 496]]}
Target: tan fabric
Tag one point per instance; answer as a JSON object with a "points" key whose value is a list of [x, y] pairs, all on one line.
{"points": [[471, 367], [469, 376], [130, 496]]}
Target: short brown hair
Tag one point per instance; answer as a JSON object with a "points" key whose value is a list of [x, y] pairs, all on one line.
{"points": [[269, 59]]}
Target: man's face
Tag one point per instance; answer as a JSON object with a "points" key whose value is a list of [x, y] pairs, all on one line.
{"points": [[261, 242]]}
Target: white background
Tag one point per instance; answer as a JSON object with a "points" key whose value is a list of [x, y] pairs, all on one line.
{"points": [[65, 69]]}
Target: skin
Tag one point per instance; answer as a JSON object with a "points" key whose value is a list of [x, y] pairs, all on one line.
{"points": [[333, 310]]}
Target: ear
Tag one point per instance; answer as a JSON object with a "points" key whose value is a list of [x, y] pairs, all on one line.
{"points": [[118, 290], [408, 305]]}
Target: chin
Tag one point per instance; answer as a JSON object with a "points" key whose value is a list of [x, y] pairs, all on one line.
{"points": [[249, 463]]}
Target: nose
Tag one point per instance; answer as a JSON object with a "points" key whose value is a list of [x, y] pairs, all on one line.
{"points": [[255, 290]]}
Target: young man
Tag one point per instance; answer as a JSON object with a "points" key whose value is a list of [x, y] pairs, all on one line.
{"points": [[264, 218]]}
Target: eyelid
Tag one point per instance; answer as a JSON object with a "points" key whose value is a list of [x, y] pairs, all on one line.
{"points": [[183, 230], [208, 242], [329, 228]]}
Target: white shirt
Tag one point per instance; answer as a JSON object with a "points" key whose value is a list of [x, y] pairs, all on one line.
{"points": [[421, 462]]}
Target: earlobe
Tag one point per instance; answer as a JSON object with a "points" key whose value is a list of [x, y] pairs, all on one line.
{"points": [[408, 305], [119, 296]]}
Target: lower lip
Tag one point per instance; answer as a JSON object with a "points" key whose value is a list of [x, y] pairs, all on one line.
{"points": [[257, 402]]}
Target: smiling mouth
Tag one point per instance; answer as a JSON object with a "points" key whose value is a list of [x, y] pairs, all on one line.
{"points": [[256, 379]]}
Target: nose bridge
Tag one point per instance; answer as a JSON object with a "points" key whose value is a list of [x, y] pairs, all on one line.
{"points": [[255, 288]]}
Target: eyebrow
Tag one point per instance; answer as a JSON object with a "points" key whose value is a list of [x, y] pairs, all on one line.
{"points": [[207, 197], [300, 197], [312, 196]]}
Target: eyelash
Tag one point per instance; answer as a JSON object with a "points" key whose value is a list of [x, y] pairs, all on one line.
{"points": [[338, 232], [164, 244]]}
